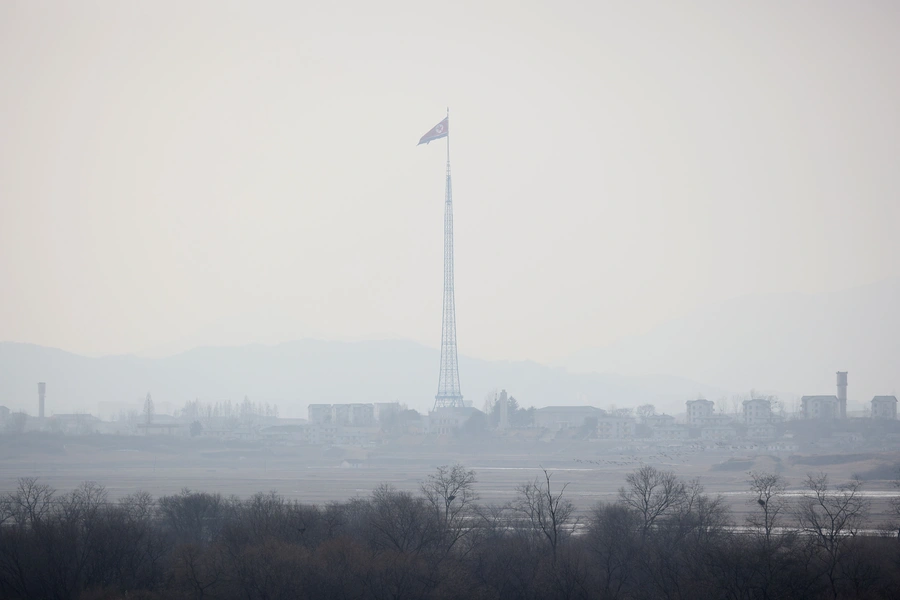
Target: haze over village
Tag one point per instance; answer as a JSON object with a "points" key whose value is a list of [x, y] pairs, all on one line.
{"points": [[265, 333]]}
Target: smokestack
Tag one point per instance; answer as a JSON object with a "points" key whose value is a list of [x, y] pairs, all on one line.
{"points": [[504, 410], [42, 390], [842, 392]]}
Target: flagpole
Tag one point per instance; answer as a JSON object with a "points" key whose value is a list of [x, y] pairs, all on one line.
{"points": [[448, 136]]}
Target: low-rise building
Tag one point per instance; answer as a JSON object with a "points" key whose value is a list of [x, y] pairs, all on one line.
{"points": [[716, 420], [443, 421], [355, 414], [672, 432], [166, 428], [385, 411], [340, 414], [757, 411], [361, 415], [615, 428], [355, 436], [660, 421], [721, 432], [75, 423], [698, 410], [563, 417], [820, 407], [319, 413], [884, 407], [761, 431]]}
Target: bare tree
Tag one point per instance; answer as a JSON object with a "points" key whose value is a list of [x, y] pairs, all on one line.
{"points": [[895, 502], [451, 494], [722, 405], [194, 517], [614, 544], [654, 494], [831, 519], [398, 521], [490, 399], [768, 489], [31, 503], [547, 512], [645, 410], [737, 403], [614, 411]]}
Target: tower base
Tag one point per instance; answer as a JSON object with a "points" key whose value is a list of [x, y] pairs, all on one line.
{"points": [[448, 402]]}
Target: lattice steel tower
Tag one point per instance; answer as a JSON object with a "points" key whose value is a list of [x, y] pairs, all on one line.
{"points": [[448, 392]]}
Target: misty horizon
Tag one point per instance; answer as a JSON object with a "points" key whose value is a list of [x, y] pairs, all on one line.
{"points": [[261, 338]]}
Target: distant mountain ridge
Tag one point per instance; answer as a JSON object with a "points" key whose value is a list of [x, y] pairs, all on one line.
{"points": [[789, 343], [295, 374]]}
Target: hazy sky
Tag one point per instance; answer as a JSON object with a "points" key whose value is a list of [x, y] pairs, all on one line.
{"points": [[176, 173]]}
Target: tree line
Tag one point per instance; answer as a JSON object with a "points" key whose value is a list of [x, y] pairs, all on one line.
{"points": [[663, 537]]}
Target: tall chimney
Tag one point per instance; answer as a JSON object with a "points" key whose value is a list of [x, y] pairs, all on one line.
{"points": [[842, 392], [42, 390], [504, 410]]}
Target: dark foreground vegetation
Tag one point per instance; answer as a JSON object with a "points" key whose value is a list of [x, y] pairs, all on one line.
{"points": [[663, 538]]}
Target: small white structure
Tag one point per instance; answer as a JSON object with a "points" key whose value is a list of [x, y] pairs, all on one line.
{"points": [[884, 407]]}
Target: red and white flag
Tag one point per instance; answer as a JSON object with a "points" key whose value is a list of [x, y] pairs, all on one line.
{"points": [[437, 132]]}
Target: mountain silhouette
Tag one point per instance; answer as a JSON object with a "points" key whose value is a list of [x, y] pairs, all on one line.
{"points": [[298, 373]]}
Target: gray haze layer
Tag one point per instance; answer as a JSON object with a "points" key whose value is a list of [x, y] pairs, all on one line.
{"points": [[783, 344]]}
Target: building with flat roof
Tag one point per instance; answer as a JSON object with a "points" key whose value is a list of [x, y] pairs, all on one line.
{"points": [[615, 428], [319, 413], [656, 421], [722, 432], [827, 407], [671, 432], [762, 431], [563, 417], [820, 407]]}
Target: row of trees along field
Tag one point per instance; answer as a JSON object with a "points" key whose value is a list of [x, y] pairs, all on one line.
{"points": [[662, 538]]}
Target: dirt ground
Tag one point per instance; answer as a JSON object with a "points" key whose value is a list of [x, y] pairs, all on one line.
{"points": [[593, 470]]}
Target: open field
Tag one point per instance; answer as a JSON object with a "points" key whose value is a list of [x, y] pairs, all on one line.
{"points": [[593, 471]]}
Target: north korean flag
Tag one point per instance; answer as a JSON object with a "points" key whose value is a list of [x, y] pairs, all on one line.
{"points": [[437, 132]]}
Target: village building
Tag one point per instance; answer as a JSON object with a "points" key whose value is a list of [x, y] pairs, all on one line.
{"points": [[564, 417], [698, 410], [884, 407], [757, 411]]}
